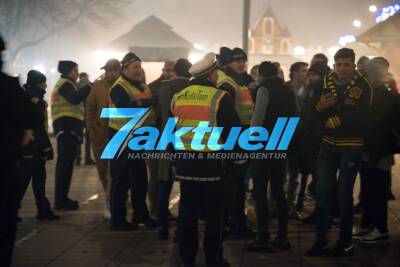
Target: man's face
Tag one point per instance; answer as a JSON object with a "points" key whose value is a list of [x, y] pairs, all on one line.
{"points": [[168, 70], [213, 76], [134, 71], [344, 68], [74, 74], [112, 75], [301, 75], [42, 85], [238, 66], [313, 78]]}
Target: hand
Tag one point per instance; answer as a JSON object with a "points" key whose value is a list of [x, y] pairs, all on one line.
{"points": [[329, 125], [48, 155], [326, 101], [26, 139]]}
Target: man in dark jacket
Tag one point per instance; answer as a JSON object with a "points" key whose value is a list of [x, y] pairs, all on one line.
{"points": [[273, 99], [38, 151], [153, 164], [309, 131], [381, 144], [129, 91], [67, 112], [165, 177], [232, 79], [344, 110], [19, 115]]}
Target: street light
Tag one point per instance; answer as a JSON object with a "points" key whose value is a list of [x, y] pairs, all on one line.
{"points": [[373, 8], [299, 50], [357, 23]]}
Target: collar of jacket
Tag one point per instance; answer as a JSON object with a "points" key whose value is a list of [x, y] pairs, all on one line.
{"points": [[137, 84], [202, 81], [342, 82], [66, 77], [34, 91], [233, 74]]}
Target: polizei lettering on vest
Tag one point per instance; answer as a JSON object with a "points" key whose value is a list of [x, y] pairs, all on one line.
{"points": [[138, 138]]}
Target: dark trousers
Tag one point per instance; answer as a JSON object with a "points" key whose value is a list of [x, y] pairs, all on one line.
{"points": [[375, 206], [35, 170], [67, 146], [8, 209], [274, 173], [88, 151], [293, 182], [194, 197], [164, 192], [331, 159], [128, 175], [235, 187]]}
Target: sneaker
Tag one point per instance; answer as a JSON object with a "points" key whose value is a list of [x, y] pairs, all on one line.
{"points": [[259, 246], [342, 250], [125, 226], [374, 237], [149, 222], [47, 216], [281, 243], [318, 249], [360, 231], [68, 205]]}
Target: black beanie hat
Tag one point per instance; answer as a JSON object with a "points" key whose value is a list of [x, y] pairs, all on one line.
{"points": [[225, 56], [267, 69], [65, 66], [238, 54], [319, 68], [2, 44], [128, 59], [35, 77], [182, 67]]}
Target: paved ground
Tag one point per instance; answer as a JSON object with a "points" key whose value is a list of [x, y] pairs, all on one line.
{"points": [[82, 238]]}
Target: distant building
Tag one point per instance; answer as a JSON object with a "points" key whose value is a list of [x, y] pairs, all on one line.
{"points": [[268, 40], [154, 41]]}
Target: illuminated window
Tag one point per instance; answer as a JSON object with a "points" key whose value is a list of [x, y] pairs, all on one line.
{"points": [[268, 24]]}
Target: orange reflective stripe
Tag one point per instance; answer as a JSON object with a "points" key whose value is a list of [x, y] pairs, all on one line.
{"points": [[193, 112]]}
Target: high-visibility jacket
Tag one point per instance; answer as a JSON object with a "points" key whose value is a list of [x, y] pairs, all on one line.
{"points": [[60, 107], [244, 104], [136, 95], [192, 105]]}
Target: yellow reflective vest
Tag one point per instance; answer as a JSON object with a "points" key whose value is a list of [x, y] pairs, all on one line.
{"points": [[135, 95], [244, 104], [192, 105], [60, 107]]}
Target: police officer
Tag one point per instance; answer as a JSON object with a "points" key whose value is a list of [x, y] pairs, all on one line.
{"points": [[19, 114], [201, 179], [129, 91], [67, 113], [37, 151], [230, 79]]}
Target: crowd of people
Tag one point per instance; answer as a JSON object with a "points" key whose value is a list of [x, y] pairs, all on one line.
{"points": [[348, 126]]}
